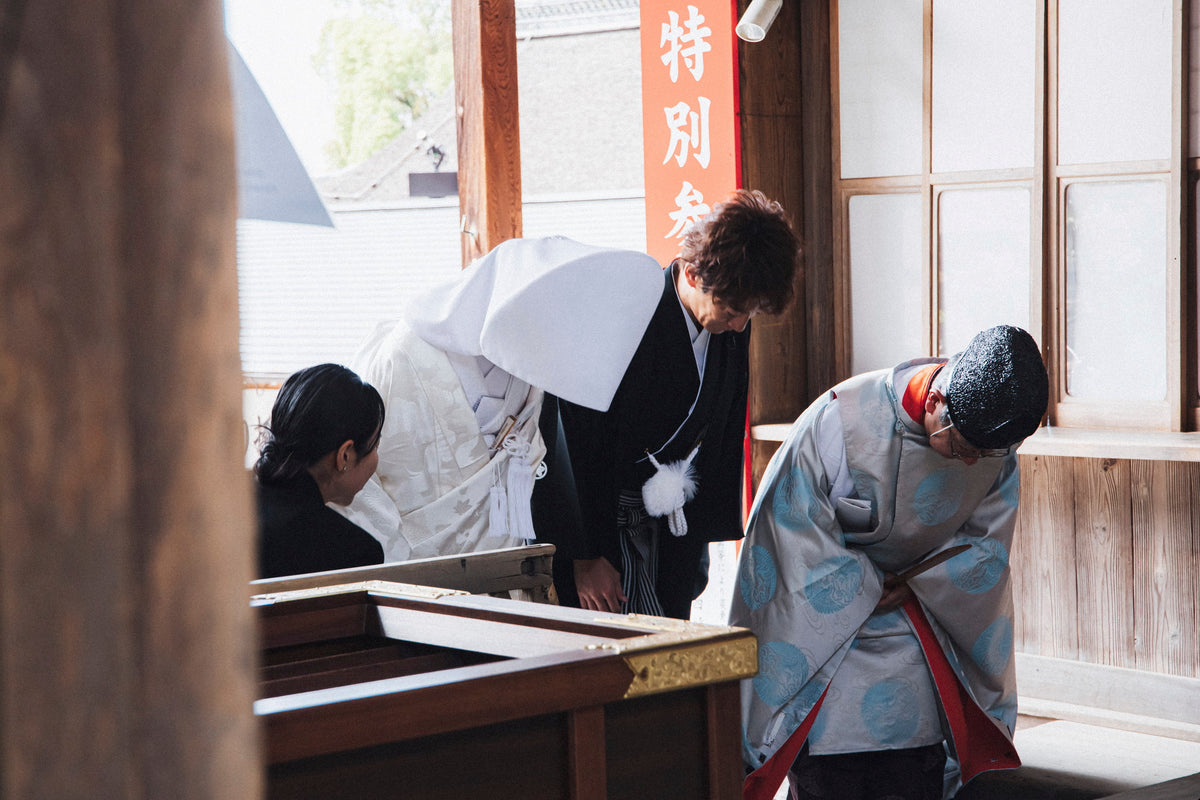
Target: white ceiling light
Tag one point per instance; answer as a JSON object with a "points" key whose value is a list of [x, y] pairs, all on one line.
{"points": [[755, 23]]}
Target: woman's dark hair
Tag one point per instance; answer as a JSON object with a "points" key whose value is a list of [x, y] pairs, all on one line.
{"points": [[745, 253], [317, 409]]}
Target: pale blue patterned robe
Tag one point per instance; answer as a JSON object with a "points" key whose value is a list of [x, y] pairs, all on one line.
{"points": [[807, 585]]}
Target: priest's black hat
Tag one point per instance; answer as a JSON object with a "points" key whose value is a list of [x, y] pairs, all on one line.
{"points": [[998, 388]]}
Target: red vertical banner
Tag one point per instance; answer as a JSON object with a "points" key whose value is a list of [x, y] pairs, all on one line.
{"points": [[689, 115]]}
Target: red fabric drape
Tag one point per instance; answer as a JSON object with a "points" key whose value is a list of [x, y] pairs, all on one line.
{"points": [[979, 743], [766, 780]]}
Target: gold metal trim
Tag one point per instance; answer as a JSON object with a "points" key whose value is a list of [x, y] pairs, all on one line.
{"points": [[663, 670]]}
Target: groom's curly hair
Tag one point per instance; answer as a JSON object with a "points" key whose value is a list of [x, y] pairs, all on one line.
{"points": [[746, 253]]}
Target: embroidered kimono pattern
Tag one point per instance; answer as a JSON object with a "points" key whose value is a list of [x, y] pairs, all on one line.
{"points": [[435, 490], [455, 473], [809, 580]]}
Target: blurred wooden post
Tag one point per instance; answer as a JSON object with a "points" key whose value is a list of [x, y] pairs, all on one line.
{"points": [[489, 141], [126, 641]]}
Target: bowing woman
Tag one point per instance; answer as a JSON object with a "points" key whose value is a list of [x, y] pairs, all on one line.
{"points": [[320, 448]]}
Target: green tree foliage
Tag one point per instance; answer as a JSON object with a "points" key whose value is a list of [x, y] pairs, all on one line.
{"points": [[387, 59]]}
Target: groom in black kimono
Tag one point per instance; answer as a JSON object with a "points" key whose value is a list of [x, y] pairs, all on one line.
{"points": [[643, 548]]}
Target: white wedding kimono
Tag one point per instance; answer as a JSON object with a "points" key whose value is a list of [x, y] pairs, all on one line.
{"points": [[438, 476], [549, 314]]}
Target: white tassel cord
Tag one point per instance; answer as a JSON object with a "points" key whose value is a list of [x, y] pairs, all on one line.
{"points": [[519, 483], [668, 489], [497, 511]]}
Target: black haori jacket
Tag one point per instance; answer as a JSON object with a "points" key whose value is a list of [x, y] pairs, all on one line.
{"points": [[607, 450], [298, 533]]}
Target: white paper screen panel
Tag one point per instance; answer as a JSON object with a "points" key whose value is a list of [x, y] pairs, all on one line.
{"points": [[984, 90], [1114, 80], [879, 87], [887, 287], [1116, 290], [983, 262]]}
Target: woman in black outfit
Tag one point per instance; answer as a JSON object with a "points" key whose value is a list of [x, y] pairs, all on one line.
{"points": [[320, 448]]}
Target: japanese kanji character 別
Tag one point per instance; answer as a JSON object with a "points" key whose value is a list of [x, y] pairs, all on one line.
{"points": [[689, 129]]}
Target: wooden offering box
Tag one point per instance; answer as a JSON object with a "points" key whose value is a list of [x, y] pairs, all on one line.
{"points": [[385, 690]]}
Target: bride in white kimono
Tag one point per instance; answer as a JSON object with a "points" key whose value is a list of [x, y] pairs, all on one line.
{"points": [[462, 377]]}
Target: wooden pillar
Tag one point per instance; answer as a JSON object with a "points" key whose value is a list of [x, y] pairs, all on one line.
{"points": [[489, 141], [126, 641], [785, 124]]}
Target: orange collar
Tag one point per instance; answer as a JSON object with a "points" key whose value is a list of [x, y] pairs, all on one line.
{"points": [[917, 390]]}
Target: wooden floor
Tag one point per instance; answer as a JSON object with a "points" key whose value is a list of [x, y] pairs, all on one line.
{"points": [[1070, 761]]}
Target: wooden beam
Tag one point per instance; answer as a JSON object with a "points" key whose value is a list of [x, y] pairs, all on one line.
{"points": [[527, 568], [1104, 560], [785, 116], [587, 754], [191, 504], [489, 141], [1044, 564], [1113, 697], [725, 775], [1164, 610], [773, 161], [817, 132], [125, 526]]}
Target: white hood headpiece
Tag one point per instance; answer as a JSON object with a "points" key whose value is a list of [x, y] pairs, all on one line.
{"points": [[562, 316]]}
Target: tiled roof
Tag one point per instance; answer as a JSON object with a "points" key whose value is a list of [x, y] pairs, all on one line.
{"points": [[308, 294], [562, 17], [383, 177]]}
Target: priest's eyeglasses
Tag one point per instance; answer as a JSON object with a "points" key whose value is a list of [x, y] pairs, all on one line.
{"points": [[969, 452]]}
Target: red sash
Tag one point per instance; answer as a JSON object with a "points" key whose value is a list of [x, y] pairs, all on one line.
{"points": [[979, 744], [766, 780]]}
